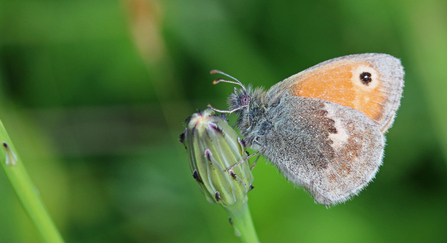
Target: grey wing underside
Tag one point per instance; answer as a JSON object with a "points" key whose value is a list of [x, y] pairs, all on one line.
{"points": [[331, 150]]}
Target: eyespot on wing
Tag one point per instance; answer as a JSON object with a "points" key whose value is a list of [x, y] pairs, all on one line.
{"points": [[371, 83]]}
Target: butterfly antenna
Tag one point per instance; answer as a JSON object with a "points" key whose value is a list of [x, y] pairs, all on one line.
{"points": [[226, 81]]}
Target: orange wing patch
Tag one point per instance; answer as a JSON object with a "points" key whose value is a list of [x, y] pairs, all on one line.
{"points": [[356, 85]]}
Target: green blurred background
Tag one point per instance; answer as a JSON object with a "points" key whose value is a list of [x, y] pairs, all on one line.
{"points": [[94, 95]]}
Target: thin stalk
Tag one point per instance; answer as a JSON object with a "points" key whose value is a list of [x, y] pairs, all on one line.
{"points": [[243, 224], [25, 190]]}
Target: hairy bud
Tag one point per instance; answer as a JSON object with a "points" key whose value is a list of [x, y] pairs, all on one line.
{"points": [[213, 147]]}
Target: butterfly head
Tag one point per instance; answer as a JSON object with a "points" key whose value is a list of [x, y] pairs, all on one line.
{"points": [[238, 100], [248, 103]]}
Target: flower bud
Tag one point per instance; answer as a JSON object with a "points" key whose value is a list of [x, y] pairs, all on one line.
{"points": [[213, 147]]}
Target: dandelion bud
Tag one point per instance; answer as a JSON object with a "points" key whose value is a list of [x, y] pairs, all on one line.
{"points": [[213, 147]]}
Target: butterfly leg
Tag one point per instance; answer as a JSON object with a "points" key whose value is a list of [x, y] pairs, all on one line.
{"points": [[257, 152], [245, 159], [256, 160]]}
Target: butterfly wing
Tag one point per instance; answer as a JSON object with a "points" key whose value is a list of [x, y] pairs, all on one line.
{"points": [[331, 150], [371, 83]]}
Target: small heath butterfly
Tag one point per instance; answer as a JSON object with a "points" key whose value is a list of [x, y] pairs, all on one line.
{"points": [[324, 127]]}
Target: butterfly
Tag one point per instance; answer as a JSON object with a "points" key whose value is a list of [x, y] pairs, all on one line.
{"points": [[324, 127]]}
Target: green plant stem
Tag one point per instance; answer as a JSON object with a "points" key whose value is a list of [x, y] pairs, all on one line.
{"points": [[25, 190], [242, 222]]}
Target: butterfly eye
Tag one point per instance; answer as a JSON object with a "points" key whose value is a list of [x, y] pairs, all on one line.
{"points": [[366, 78], [245, 100]]}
